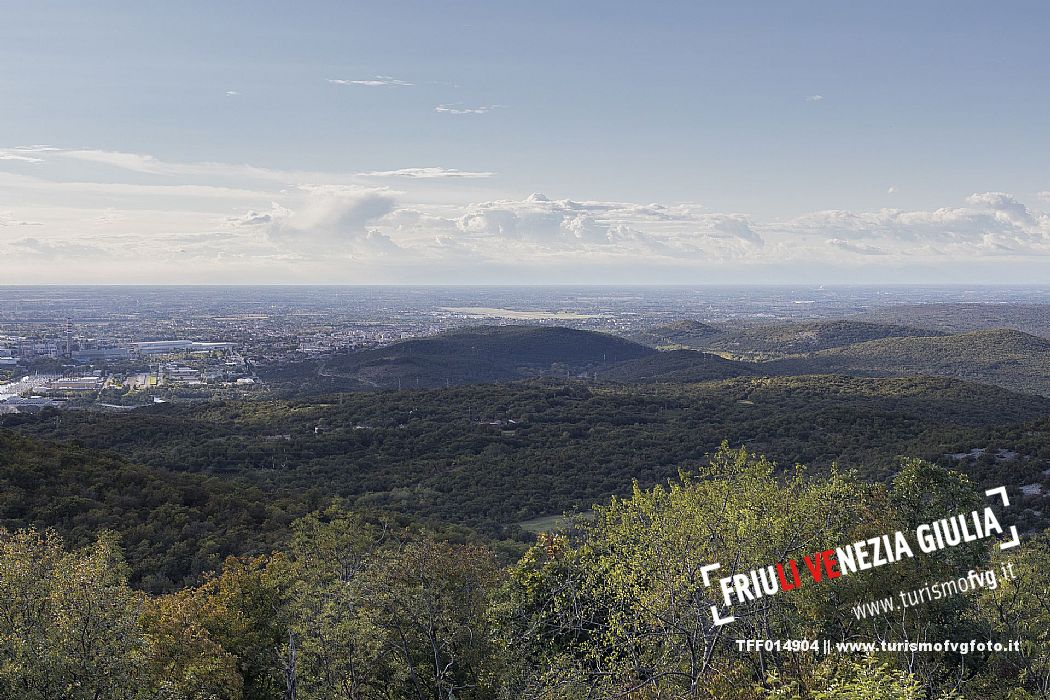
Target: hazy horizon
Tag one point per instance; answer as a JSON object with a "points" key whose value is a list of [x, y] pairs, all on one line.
{"points": [[559, 285]]}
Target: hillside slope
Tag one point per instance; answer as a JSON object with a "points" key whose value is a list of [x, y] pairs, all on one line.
{"points": [[678, 367], [1006, 358], [964, 317], [490, 455], [792, 338], [475, 355], [171, 525], [687, 333]]}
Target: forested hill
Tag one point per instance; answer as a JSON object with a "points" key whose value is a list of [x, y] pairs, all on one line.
{"points": [[493, 354], [472, 355], [960, 318], [1006, 358], [684, 333], [791, 338], [678, 367], [487, 456], [186, 484], [173, 526], [766, 340]]}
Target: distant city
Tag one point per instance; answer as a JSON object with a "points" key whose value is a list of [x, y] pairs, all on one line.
{"points": [[121, 347]]}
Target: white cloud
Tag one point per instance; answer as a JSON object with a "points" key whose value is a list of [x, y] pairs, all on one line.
{"points": [[39, 185], [108, 218], [232, 93], [733, 226], [539, 224], [150, 165], [431, 173], [1003, 204], [377, 81], [464, 109], [136, 162], [858, 248], [380, 242], [991, 223], [231, 217], [147, 164], [259, 218], [8, 219], [19, 154], [892, 189], [51, 250], [814, 98], [326, 219]]}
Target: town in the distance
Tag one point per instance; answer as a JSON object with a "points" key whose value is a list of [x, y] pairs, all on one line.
{"points": [[118, 348]]}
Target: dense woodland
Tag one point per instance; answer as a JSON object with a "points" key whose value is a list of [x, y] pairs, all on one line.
{"points": [[488, 456], [609, 608], [777, 339], [341, 538], [960, 318], [1006, 358]]}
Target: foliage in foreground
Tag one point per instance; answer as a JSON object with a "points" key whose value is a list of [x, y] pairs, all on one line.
{"points": [[611, 608]]}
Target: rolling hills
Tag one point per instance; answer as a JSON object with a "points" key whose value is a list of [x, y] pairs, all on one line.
{"points": [[678, 367], [687, 333], [965, 317], [517, 434], [1006, 358], [766, 340], [496, 354], [173, 526], [475, 355], [486, 455], [776, 340]]}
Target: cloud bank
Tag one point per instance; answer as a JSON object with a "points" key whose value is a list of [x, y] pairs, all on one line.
{"points": [[377, 81], [178, 221], [465, 109]]}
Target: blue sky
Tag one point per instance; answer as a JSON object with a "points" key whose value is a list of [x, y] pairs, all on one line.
{"points": [[415, 142]]}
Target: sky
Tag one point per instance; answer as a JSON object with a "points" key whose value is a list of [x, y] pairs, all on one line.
{"points": [[537, 142]]}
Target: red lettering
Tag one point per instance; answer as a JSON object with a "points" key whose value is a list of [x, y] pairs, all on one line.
{"points": [[831, 564], [814, 566], [784, 585]]}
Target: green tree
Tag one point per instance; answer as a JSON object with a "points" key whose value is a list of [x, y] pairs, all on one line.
{"points": [[847, 679], [1019, 609], [69, 624], [185, 661], [621, 605], [377, 616]]}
